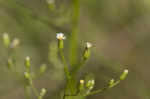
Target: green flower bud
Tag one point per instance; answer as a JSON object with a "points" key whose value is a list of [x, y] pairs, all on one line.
{"points": [[27, 75], [42, 93], [27, 62], [124, 74], [10, 63], [6, 40], [86, 53], [111, 83], [81, 87], [51, 4], [43, 68]]}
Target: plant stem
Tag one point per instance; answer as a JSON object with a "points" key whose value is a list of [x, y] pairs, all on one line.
{"points": [[75, 30], [97, 91], [34, 90], [66, 70], [78, 67], [27, 92], [104, 89]]}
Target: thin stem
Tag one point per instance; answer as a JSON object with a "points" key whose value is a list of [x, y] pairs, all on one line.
{"points": [[11, 53], [34, 90], [66, 70], [78, 67], [69, 96], [98, 91], [104, 89]]}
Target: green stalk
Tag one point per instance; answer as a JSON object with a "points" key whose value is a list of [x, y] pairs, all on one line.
{"points": [[75, 31], [71, 85], [77, 68], [66, 68], [27, 92], [34, 90]]}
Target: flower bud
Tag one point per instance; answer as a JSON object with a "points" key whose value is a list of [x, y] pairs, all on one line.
{"points": [[43, 68], [15, 43], [88, 45], [42, 93], [86, 53], [26, 75], [6, 40], [51, 4], [111, 83], [10, 63], [27, 62], [124, 74], [60, 37], [82, 82], [90, 84], [81, 87]]}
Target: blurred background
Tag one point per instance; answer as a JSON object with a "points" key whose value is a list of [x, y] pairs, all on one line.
{"points": [[118, 29]]}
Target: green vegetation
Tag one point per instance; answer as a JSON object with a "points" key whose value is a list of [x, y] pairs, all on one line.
{"points": [[100, 41]]}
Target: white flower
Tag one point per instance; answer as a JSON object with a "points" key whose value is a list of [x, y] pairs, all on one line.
{"points": [[5, 36], [88, 45], [126, 71], [15, 43], [81, 81], [27, 58], [60, 36], [43, 92], [92, 82]]}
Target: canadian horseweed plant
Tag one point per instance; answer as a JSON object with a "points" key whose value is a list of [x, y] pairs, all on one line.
{"points": [[74, 89]]}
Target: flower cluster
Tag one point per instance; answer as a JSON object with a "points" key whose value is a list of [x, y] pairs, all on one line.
{"points": [[85, 87]]}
